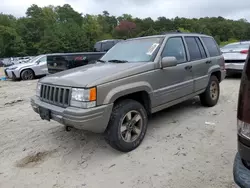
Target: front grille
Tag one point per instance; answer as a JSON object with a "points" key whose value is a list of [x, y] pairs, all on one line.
{"points": [[57, 95], [235, 61]]}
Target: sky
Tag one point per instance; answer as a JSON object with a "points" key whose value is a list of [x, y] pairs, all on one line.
{"points": [[142, 8]]}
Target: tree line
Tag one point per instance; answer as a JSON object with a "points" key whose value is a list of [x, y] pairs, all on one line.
{"points": [[53, 29]]}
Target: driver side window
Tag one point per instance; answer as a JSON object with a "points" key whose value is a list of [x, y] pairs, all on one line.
{"points": [[43, 59], [175, 48]]}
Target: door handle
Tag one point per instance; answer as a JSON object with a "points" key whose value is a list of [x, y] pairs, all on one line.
{"points": [[188, 67], [208, 62]]}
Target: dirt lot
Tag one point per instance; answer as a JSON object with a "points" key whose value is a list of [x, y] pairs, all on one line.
{"points": [[186, 146]]}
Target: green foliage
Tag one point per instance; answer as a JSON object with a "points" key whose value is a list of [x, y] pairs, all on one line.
{"points": [[54, 29], [228, 42]]}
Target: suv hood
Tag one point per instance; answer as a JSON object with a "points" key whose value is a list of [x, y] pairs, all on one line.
{"points": [[21, 65], [96, 74]]}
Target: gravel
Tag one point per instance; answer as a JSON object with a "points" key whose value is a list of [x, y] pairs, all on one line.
{"points": [[185, 146]]}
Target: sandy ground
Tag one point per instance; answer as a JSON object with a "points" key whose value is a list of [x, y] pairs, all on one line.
{"points": [[180, 149], [1, 72]]}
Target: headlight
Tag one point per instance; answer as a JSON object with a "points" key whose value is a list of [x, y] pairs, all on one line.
{"points": [[12, 68], [38, 89], [244, 129], [83, 98]]}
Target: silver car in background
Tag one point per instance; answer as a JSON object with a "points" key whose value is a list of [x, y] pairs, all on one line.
{"points": [[28, 71], [235, 55]]}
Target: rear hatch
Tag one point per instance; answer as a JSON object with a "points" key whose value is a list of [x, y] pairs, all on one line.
{"points": [[235, 53], [61, 62]]}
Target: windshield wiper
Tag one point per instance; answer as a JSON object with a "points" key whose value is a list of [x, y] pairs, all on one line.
{"points": [[117, 61], [99, 60]]}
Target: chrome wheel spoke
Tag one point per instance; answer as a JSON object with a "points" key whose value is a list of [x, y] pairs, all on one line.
{"points": [[124, 127], [136, 118], [131, 125], [129, 116], [128, 136], [136, 130]]}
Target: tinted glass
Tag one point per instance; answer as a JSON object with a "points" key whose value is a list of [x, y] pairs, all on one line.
{"points": [[193, 48], [201, 47], [107, 45], [211, 46], [135, 50], [97, 47], [175, 48]]}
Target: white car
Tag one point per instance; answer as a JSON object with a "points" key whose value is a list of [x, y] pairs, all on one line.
{"points": [[28, 71], [235, 55]]}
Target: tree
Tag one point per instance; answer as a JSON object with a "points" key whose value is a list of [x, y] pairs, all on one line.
{"points": [[126, 28], [62, 29]]}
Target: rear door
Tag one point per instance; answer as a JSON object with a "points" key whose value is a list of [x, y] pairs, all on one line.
{"points": [[213, 50], [200, 61]]}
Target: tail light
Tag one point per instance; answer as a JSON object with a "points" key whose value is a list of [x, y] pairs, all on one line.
{"points": [[244, 102], [244, 51]]}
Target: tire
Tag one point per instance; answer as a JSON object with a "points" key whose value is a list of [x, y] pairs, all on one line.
{"points": [[119, 127], [27, 74], [212, 93]]}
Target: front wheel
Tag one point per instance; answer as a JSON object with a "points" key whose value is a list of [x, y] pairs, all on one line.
{"points": [[212, 93], [27, 74], [127, 126]]}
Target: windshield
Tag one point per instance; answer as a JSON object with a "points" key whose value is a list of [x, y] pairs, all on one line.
{"points": [[34, 59], [231, 46], [135, 50]]}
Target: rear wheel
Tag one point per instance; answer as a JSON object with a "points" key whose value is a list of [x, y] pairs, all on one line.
{"points": [[127, 126], [27, 74], [212, 93]]}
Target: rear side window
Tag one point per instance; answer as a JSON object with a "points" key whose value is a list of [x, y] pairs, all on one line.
{"points": [[201, 47], [107, 45], [211, 46], [193, 48], [97, 47]]}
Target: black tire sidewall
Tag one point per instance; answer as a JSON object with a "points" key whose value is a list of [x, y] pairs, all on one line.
{"points": [[206, 97], [114, 134]]}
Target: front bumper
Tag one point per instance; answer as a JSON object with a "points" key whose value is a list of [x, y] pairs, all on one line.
{"points": [[241, 173], [93, 119], [12, 74]]}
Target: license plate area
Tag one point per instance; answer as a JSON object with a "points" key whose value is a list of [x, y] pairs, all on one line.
{"points": [[45, 114]]}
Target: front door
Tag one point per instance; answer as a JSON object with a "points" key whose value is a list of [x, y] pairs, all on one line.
{"points": [[43, 66], [174, 82]]}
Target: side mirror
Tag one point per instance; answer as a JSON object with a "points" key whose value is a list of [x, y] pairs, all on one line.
{"points": [[169, 62], [38, 61]]}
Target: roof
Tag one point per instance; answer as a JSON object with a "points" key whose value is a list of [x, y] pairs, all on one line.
{"points": [[173, 34]]}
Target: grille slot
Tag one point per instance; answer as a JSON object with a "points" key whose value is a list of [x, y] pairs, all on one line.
{"points": [[57, 95]]}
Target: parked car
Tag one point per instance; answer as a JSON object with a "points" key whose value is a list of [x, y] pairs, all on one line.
{"points": [[105, 45], [64, 61], [242, 160], [235, 55], [28, 71], [133, 79]]}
